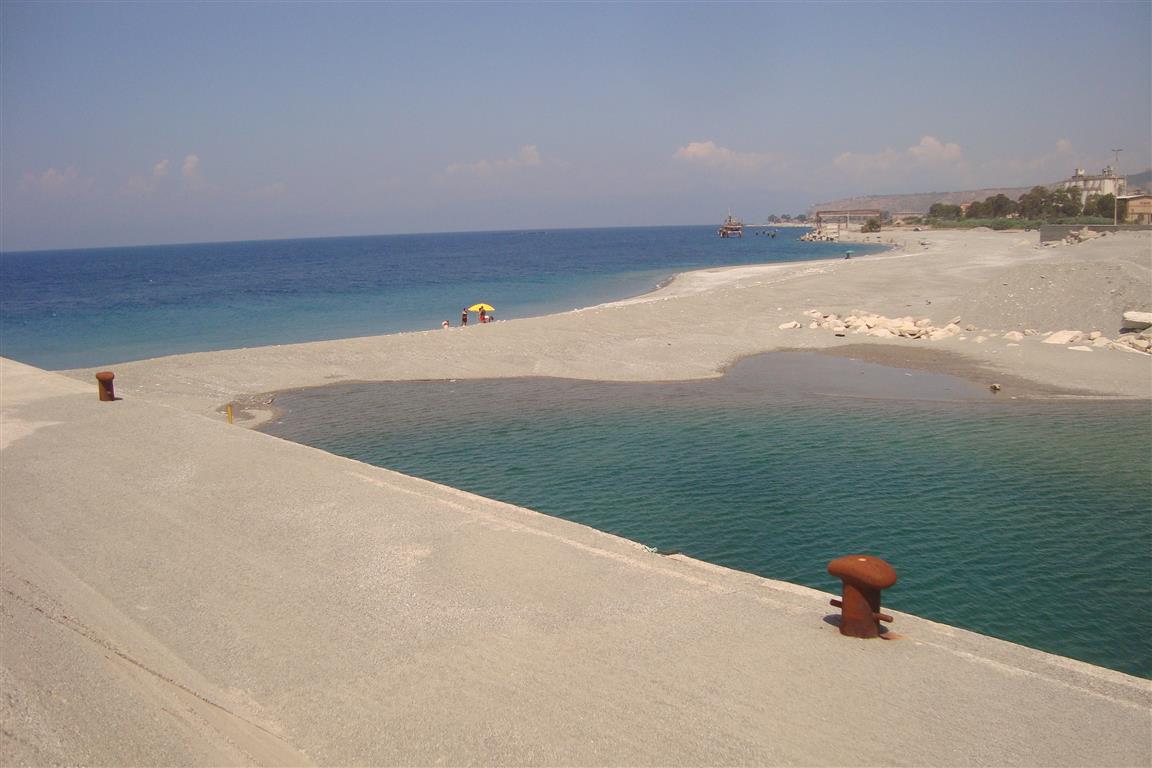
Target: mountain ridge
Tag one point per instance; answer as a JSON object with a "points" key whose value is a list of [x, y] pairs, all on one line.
{"points": [[920, 202]]}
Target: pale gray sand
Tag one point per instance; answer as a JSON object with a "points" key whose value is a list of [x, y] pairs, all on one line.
{"points": [[178, 591], [705, 320]]}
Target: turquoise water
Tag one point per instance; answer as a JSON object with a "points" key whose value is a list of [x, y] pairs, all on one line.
{"points": [[72, 309], [1031, 522]]}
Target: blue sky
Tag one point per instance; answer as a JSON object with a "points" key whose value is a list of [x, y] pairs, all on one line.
{"points": [[153, 123]]}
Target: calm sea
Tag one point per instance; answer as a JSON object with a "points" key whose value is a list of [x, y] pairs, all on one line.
{"points": [[1027, 522], [81, 308]]}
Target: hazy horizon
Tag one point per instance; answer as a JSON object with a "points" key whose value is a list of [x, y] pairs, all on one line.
{"points": [[127, 124]]}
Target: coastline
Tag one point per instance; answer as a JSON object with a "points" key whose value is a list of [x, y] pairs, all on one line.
{"points": [[702, 321], [211, 589]]}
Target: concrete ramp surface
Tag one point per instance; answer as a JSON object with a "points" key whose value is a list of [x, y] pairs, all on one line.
{"points": [[179, 591]]}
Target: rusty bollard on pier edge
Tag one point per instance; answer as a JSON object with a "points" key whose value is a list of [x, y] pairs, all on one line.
{"points": [[104, 382], [863, 576]]}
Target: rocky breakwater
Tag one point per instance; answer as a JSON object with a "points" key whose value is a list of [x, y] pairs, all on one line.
{"points": [[1135, 336]]}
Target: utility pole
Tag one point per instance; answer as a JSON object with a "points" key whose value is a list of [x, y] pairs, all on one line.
{"points": [[1116, 186]]}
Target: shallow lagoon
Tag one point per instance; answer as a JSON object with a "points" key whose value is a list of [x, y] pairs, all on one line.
{"points": [[1028, 521]]}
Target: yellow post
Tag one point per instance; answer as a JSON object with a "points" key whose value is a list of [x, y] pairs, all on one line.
{"points": [[229, 413]]}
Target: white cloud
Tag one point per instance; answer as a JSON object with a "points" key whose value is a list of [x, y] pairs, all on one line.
{"points": [[930, 152], [710, 154], [527, 157], [1058, 162], [191, 170], [59, 183]]}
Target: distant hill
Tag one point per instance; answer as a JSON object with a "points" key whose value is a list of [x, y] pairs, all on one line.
{"points": [[920, 202], [1140, 180]]}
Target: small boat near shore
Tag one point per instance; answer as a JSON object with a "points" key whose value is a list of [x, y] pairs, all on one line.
{"points": [[732, 227]]}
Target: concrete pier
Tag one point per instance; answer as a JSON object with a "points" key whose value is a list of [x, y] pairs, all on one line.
{"points": [[176, 590]]}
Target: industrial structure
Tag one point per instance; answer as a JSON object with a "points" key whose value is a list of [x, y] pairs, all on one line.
{"points": [[845, 217], [1107, 182]]}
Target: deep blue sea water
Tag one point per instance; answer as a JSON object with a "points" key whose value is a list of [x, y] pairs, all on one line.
{"points": [[1029, 522], [72, 309]]}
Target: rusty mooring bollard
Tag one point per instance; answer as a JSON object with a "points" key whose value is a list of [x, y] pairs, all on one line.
{"points": [[104, 382], [863, 576]]}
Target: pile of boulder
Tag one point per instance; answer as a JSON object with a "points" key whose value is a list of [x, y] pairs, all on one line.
{"points": [[880, 326], [1081, 235], [1136, 332], [820, 236]]}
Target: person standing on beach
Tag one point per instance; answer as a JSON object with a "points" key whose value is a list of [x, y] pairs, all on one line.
{"points": [[464, 318], [483, 317]]}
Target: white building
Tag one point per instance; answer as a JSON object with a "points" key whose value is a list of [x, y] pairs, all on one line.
{"points": [[1105, 183]]}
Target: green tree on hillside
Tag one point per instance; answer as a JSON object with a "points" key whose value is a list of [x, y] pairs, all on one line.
{"points": [[1034, 202], [1001, 206], [1066, 202], [945, 211], [1100, 205]]}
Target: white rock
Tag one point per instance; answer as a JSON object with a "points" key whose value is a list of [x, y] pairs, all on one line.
{"points": [[969, 328], [813, 324], [789, 326], [815, 314], [938, 334], [1138, 320], [1103, 341], [881, 333], [1064, 337], [1094, 335], [1081, 348], [1014, 336], [1124, 348], [923, 322], [980, 339], [954, 321]]}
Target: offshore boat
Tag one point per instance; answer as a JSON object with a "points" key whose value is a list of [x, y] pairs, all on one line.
{"points": [[732, 227]]}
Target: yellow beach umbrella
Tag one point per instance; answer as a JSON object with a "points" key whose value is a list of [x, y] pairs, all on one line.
{"points": [[478, 307]]}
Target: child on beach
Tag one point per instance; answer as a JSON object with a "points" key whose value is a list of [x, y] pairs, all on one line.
{"points": [[464, 318]]}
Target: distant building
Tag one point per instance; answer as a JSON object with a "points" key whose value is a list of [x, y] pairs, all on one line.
{"points": [[1104, 183], [1137, 209]]}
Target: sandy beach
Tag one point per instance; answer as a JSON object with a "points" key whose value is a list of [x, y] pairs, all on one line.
{"points": [[703, 321], [179, 591]]}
